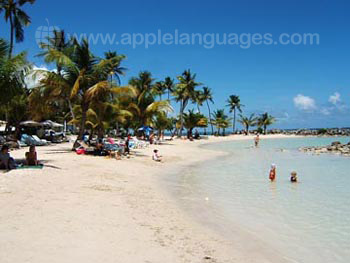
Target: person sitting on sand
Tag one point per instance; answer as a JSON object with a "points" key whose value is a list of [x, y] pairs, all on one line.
{"points": [[257, 140], [294, 177], [31, 157], [272, 175], [6, 162], [156, 157]]}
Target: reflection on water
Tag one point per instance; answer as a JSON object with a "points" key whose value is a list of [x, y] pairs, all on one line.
{"points": [[308, 221]]}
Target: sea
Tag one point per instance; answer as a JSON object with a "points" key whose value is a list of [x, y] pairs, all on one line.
{"points": [[306, 222]]}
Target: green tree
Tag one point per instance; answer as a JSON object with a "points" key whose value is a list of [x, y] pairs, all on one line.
{"points": [[193, 120], [265, 120], [185, 92], [248, 122], [17, 18], [208, 97], [234, 103], [144, 106], [86, 75], [12, 79], [169, 86], [221, 121]]}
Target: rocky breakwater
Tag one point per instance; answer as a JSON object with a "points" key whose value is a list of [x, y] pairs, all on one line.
{"points": [[334, 148]]}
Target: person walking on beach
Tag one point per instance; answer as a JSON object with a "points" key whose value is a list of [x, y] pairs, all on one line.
{"points": [[272, 175]]}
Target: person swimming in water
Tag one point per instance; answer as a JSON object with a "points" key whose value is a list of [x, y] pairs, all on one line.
{"points": [[272, 175], [294, 177]]}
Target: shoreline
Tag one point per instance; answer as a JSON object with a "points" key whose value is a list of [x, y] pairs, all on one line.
{"points": [[93, 209]]}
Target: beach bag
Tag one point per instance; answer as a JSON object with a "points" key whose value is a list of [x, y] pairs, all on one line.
{"points": [[80, 151]]}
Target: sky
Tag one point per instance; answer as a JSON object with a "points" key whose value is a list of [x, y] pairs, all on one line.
{"points": [[304, 85]]}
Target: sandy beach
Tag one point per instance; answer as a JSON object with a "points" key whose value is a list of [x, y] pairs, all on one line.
{"points": [[94, 209]]}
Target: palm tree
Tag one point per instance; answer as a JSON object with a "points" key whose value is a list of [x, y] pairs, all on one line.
{"points": [[12, 78], [86, 75], [161, 123], [221, 120], [185, 91], [58, 42], [234, 103], [117, 69], [248, 122], [265, 120], [17, 18], [159, 89], [143, 105], [193, 120], [208, 97], [169, 86]]}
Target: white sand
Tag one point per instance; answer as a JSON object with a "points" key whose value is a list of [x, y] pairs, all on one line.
{"points": [[93, 209]]}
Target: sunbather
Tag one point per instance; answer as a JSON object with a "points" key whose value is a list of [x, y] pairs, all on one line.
{"points": [[31, 157], [6, 162]]}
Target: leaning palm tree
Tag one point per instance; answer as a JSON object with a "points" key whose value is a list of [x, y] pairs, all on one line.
{"points": [[17, 18], [248, 122], [208, 97], [185, 92], [265, 120], [234, 103]]}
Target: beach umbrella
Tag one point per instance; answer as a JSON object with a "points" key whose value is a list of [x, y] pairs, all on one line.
{"points": [[146, 129], [30, 124], [51, 124]]}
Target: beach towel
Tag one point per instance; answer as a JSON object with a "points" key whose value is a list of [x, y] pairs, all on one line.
{"points": [[37, 167]]}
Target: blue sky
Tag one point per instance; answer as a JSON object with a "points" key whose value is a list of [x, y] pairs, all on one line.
{"points": [[302, 85]]}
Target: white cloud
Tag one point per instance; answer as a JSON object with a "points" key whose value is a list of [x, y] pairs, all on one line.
{"points": [[33, 82], [326, 111], [304, 103], [335, 98]]}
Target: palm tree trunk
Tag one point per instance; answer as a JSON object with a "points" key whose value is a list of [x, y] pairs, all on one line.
{"points": [[181, 119], [234, 121], [11, 36], [212, 128], [71, 108], [84, 109]]}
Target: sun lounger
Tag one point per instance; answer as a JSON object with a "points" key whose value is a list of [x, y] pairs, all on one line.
{"points": [[29, 140], [40, 141]]}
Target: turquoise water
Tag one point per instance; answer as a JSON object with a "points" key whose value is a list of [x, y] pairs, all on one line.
{"points": [[307, 222]]}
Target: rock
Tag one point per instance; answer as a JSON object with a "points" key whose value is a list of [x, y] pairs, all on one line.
{"points": [[336, 143]]}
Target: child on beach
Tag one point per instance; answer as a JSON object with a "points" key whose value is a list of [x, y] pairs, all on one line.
{"points": [[272, 175], [31, 157], [294, 177], [156, 157]]}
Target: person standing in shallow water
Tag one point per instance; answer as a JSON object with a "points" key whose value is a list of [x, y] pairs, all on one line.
{"points": [[257, 140], [294, 177], [272, 175]]}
